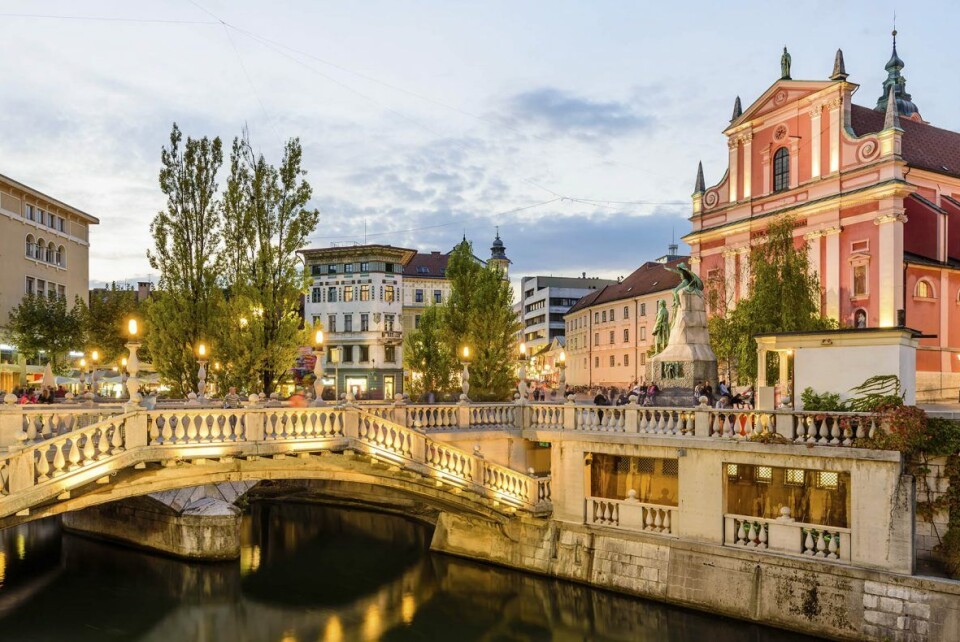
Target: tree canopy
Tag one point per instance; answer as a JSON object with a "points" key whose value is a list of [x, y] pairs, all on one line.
{"points": [[42, 325], [784, 297]]}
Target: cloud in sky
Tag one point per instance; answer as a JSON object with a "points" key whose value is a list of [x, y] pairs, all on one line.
{"points": [[566, 113], [455, 134]]}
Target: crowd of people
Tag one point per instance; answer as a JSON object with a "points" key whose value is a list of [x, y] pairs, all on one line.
{"points": [[724, 397], [46, 394]]}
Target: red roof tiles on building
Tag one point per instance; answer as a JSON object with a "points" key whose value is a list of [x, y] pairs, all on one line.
{"points": [[923, 146], [427, 266], [646, 279]]}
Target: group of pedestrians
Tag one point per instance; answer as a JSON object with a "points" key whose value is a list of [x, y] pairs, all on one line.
{"points": [[646, 394], [724, 396], [46, 394]]}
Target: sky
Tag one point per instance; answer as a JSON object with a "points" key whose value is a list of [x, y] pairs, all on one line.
{"points": [[576, 127]]}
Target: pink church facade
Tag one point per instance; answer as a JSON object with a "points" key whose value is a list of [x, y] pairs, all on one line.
{"points": [[876, 195]]}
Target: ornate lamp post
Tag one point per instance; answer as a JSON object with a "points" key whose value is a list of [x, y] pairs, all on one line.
{"points": [[465, 358], [132, 363], [318, 386], [522, 374], [562, 386], [83, 376], [201, 372], [91, 393]]}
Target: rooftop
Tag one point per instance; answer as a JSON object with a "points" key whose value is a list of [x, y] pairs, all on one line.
{"points": [[427, 266], [648, 278]]}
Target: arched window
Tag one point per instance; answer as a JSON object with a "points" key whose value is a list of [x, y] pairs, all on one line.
{"points": [[40, 249], [924, 290], [30, 246], [61, 257], [781, 170], [51, 252]]}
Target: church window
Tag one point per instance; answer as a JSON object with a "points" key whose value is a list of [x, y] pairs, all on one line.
{"points": [[923, 290], [781, 170]]}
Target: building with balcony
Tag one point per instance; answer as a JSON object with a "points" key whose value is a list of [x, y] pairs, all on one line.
{"points": [[610, 331], [356, 297], [544, 300], [875, 193]]}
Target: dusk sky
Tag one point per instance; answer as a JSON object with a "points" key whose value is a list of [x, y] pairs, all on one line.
{"points": [[574, 126]]}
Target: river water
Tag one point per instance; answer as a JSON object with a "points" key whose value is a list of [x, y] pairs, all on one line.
{"points": [[318, 574]]}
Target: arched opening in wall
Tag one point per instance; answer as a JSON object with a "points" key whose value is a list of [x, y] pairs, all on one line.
{"points": [[40, 249], [51, 252], [781, 170], [61, 256], [30, 246], [859, 318], [924, 290]]}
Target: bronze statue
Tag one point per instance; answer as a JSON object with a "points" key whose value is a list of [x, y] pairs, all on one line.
{"points": [[661, 328], [785, 65], [689, 282]]}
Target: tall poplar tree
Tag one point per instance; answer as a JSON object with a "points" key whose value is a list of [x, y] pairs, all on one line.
{"points": [[426, 353], [266, 220], [186, 235]]}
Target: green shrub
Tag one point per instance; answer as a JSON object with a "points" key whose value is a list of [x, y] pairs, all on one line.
{"points": [[822, 402]]}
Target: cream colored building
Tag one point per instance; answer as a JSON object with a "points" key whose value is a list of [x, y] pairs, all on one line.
{"points": [[609, 331], [425, 283], [45, 244]]}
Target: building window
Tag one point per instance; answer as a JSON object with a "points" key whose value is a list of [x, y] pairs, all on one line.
{"points": [[347, 293], [437, 296], [347, 354], [626, 312], [423, 269], [31, 246], [643, 309], [30, 287], [364, 354], [418, 296], [331, 295], [389, 293], [332, 323], [653, 480], [612, 315], [331, 269], [390, 354], [596, 338], [924, 290], [316, 294], [60, 224], [61, 256], [28, 212], [596, 362], [38, 249], [612, 363], [643, 358], [596, 317], [416, 321], [781, 170], [348, 323], [348, 268], [388, 322], [626, 335], [364, 322], [62, 292], [643, 333], [626, 359], [611, 336], [859, 280], [364, 292], [388, 267], [603, 316], [364, 267], [41, 287]]}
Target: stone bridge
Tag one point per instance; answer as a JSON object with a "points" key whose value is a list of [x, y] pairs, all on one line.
{"points": [[62, 465]]}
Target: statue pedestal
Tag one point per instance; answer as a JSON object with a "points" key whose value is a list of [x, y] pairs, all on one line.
{"points": [[688, 357]]}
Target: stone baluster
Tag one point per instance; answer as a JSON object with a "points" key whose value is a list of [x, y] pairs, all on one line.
{"points": [[658, 520], [59, 461], [811, 429], [834, 546], [742, 531], [43, 465], [671, 426], [834, 430], [666, 521], [103, 444], [89, 452], [73, 454], [762, 536], [809, 543], [824, 430]]}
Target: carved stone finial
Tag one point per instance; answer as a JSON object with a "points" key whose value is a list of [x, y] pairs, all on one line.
{"points": [[891, 119], [785, 61], [839, 69], [700, 187], [737, 110]]}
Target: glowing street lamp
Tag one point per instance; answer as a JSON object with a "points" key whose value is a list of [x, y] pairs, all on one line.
{"points": [[562, 385], [201, 372], [132, 363], [522, 374], [465, 358]]}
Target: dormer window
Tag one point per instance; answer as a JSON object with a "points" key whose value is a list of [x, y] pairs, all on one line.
{"points": [[781, 170]]}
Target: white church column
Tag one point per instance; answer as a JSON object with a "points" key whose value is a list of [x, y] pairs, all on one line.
{"points": [[747, 164], [744, 258], [730, 277], [732, 144], [891, 266], [831, 276], [815, 141], [835, 106]]}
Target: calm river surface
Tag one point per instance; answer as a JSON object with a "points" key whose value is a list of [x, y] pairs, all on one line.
{"points": [[317, 574]]}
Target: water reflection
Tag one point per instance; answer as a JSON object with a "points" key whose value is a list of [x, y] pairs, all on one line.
{"points": [[313, 573]]}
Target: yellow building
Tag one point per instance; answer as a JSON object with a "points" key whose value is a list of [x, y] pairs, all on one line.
{"points": [[609, 331]]}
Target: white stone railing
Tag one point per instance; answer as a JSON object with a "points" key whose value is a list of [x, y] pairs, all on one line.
{"points": [[492, 415], [600, 418], [546, 417], [29, 424], [832, 428], [431, 417], [631, 515], [132, 440], [666, 421], [741, 424], [788, 537]]}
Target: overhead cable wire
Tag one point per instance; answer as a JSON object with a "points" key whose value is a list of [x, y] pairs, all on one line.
{"points": [[40, 16]]}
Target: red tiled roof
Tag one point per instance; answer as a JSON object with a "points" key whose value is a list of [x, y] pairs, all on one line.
{"points": [[434, 264], [924, 146], [646, 279]]}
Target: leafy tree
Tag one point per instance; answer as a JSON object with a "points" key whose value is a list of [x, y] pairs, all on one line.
{"points": [[186, 237], [426, 352], [105, 320], [479, 314], [784, 297], [266, 220], [41, 324]]}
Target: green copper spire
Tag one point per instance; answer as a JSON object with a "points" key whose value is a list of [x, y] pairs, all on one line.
{"points": [[898, 84]]}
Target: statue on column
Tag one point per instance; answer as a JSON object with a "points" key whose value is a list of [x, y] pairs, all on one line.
{"points": [[689, 282], [785, 65], [661, 328]]}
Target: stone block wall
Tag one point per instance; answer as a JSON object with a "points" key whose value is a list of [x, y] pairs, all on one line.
{"points": [[930, 488]]}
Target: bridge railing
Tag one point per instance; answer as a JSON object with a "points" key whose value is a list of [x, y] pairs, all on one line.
{"points": [[449, 417], [43, 470]]}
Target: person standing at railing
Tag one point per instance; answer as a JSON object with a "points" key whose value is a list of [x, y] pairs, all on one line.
{"points": [[231, 399]]}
